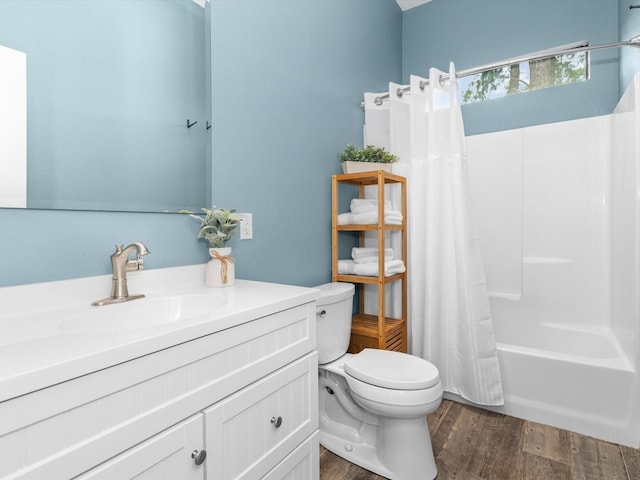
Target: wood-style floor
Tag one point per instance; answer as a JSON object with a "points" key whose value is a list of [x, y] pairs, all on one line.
{"points": [[475, 444]]}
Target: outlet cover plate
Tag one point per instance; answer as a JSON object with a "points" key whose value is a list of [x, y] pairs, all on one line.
{"points": [[246, 226]]}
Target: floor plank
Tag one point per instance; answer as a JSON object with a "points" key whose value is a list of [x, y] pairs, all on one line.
{"points": [[458, 450], [332, 466], [498, 448], [547, 442], [631, 457], [537, 467], [474, 444], [611, 462]]}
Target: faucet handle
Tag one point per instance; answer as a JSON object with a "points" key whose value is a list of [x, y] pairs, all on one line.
{"points": [[135, 264]]}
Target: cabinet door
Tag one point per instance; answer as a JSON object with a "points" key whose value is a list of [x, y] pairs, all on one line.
{"points": [[167, 455], [249, 433], [302, 464]]}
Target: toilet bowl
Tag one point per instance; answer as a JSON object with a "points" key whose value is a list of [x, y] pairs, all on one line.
{"points": [[373, 404]]}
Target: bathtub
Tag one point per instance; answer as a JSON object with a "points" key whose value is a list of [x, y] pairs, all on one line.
{"points": [[573, 377], [557, 213]]}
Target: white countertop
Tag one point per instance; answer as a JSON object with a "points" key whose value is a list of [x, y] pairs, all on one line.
{"points": [[37, 350]]}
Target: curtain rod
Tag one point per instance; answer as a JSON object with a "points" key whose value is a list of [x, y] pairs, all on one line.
{"points": [[634, 42]]}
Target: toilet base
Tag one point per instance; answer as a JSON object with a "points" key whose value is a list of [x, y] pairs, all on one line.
{"points": [[410, 456], [363, 454], [405, 448]]}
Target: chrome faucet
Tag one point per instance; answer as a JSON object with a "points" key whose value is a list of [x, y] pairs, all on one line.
{"points": [[121, 264]]}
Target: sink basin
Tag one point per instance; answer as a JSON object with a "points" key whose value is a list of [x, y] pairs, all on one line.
{"points": [[144, 313]]}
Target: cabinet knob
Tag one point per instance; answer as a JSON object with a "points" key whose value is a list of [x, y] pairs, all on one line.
{"points": [[321, 313], [276, 422], [199, 456]]}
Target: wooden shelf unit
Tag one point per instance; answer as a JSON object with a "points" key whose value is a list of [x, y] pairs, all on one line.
{"points": [[373, 331]]}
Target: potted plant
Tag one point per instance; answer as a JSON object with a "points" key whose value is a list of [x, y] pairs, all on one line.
{"points": [[366, 159], [217, 227]]}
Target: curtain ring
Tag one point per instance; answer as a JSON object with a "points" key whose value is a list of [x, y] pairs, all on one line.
{"points": [[399, 93]]}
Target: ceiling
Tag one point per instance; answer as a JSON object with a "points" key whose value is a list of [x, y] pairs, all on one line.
{"points": [[407, 4], [404, 4]]}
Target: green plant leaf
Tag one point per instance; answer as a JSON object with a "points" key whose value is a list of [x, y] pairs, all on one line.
{"points": [[370, 153], [217, 226]]}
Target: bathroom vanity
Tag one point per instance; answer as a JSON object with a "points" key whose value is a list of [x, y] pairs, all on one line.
{"points": [[187, 383]]}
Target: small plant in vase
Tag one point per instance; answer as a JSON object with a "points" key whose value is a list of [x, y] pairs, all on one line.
{"points": [[366, 159], [217, 227]]}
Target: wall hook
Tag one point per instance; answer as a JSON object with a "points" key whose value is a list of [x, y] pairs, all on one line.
{"points": [[189, 125], [208, 125]]}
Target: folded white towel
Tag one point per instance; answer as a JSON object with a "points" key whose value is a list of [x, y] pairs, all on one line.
{"points": [[369, 254], [392, 217], [362, 205], [349, 267]]}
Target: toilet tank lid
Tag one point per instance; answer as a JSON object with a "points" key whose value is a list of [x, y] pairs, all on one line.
{"points": [[334, 292], [389, 369]]}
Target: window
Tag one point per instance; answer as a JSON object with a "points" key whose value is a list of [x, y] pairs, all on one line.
{"points": [[525, 76]]}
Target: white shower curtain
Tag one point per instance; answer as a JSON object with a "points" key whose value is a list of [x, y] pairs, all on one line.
{"points": [[449, 317]]}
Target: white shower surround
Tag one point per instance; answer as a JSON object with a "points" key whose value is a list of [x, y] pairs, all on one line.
{"points": [[557, 211]]}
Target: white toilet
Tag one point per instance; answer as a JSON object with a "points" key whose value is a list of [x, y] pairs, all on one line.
{"points": [[373, 405]]}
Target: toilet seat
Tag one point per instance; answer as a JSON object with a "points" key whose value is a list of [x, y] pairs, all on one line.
{"points": [[392, 370], [399, 401]]}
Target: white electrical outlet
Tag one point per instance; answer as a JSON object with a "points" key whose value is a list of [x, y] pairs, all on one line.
{"points": [[246, 226]]}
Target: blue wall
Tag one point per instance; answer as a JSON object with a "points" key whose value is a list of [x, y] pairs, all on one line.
{"points": [[287, 84], [629, 20], [472, 32], [288, 78]]}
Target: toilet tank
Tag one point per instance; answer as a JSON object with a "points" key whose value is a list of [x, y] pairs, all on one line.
{"points": [[333, 320]]}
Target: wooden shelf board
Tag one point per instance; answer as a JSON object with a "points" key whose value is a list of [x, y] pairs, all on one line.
{"points": [[367, 325], [368, 280], [368, 178], [356, 228], [356, 279], [368, 227]]}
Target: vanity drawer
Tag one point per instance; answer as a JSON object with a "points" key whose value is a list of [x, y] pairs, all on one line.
{"points": [[66, 429], [249, 433], [167, 455]]}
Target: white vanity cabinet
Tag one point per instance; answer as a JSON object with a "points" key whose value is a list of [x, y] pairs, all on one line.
{"points": [[266, 428], [148, 417]]}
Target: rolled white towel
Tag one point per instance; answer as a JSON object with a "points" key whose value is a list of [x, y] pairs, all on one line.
{"points": [[349, 267], [369, 254], [393, 217], [362, 205]]}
